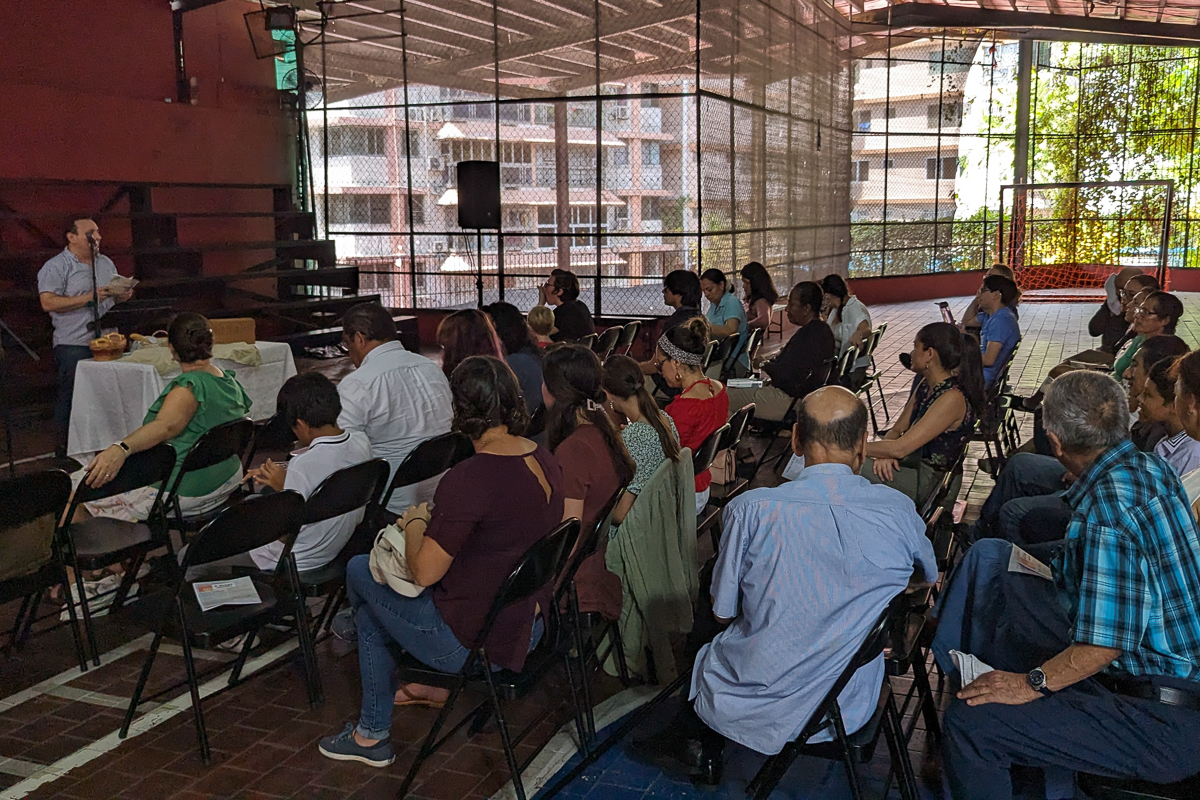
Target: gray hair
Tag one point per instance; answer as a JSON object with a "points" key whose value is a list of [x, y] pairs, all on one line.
{"points": [[1087, 411]]}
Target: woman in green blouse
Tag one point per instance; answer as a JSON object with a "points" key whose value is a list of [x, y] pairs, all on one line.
{"points": [[201, 397]]}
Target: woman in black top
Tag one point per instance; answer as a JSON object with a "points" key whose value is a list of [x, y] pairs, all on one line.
{"points": [[571, 316]]}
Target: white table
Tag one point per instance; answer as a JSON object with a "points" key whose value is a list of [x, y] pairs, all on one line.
{"points": [[112, 397]]}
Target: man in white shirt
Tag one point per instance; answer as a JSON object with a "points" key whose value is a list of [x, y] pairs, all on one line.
{"points": [[310, 405], [397, 398]]}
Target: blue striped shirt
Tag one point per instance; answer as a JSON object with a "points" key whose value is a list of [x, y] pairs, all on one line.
{"points": [[805, 568], [1130, 573]]}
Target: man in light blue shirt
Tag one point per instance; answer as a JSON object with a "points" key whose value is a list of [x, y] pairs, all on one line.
{"points": [[725, 312], [65, 292], [804, 570]]}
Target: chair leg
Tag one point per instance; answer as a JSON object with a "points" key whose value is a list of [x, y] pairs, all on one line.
{"points": [[882, 398], [928, 709], [581, 729], [772, 772], [839, 728], [87, 615], [147, 665], [31, 617], [893, 732], [509, 754], [236, 674], [80, 653], [194, 687], [871, 408], [427, 746], [316, 694], [127, 581], [618, 644], [15, 637]]}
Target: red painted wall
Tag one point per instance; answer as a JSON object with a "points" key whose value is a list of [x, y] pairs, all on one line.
{"points": [[905, 288], [83, 85]]}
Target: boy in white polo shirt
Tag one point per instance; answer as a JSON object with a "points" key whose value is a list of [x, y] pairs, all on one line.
{"points": [[310, 405]]}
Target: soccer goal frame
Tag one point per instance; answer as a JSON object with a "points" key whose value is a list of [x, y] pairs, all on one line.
{"points": [[1013, 249]]}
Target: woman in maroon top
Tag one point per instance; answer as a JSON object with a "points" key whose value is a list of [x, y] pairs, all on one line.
{"points": [[467, 333], [594, 460], [488, 511], [703, 405]]}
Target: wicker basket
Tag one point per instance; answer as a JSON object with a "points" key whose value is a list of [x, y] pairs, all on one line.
{"points": [[108, 348]]}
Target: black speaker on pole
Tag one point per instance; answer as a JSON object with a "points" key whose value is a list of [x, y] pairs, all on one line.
{"points": [[479, 194]]}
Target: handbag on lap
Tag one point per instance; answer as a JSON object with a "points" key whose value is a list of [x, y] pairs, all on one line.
{"points": [[388, 564]]}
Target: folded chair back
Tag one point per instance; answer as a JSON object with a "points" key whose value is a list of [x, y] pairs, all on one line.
{"points": [[346, 490], [540, 565], [147, 468], [429, 459], [273, 434], [246, 526], [628, 336], [708, 449], [219, 443], [737, 426], [607, 342]]}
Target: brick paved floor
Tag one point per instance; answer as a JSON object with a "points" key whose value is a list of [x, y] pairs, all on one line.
{"points": [[57, 728]]}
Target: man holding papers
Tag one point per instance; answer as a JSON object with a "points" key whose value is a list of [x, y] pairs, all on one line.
{"points": [[65, 291], [1096, 668]]}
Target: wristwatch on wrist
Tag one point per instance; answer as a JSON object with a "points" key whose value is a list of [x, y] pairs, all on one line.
{"points": [[123, 446], [1037, 681]]}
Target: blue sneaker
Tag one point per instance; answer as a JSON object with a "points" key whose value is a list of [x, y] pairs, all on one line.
{"points": [[343, 748], [343, 625]]}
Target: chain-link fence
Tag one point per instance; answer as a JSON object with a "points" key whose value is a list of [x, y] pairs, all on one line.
{"points": [[934, 129], [631, 143]]}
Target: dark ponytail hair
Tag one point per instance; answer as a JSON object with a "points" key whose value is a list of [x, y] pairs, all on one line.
{"points": [[714, 275], [959, 354], [573, 377], [189, 333], [623, 377]]}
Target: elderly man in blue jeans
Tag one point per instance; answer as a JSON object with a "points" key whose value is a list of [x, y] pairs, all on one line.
{"points": [[1096, 668], [804, 570]]}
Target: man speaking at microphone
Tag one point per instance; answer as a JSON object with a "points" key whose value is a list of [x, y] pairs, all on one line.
{"points": [[68, 294]]}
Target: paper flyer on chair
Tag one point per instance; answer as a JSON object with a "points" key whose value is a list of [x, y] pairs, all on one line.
{"points": [[237, 592]]}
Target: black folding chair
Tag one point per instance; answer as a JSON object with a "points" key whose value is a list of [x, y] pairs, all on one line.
{"points": [[850, 749], [32, 560], [588, 341], [607, 342], [875, 378], [724, 352], [754, 341], [770, 429], [629, 335], [270, 434], [238, 529], [540, 565], [427, 460], [721, 494], [220, 443], [343, 492], [710, 354], [98, 542], [589, 630], [705, 454], [845, 368]]}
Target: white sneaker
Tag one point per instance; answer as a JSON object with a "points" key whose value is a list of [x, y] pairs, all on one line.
{"points": [[99, 595]]}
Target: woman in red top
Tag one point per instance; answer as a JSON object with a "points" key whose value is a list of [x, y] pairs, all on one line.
{"points": [[703, 405], [593, 457]]}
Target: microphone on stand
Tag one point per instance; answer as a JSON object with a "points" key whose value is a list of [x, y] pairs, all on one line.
{"points": [[94, 247]]}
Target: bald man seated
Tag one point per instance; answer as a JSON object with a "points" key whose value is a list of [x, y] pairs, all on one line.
{"points": [[804, 570]]}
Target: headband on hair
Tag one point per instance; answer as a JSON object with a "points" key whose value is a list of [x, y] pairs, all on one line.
{"points": [[678, 354], [592, 405]]}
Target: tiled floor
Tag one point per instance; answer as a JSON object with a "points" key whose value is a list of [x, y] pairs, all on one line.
{"points": [[57, 727]]}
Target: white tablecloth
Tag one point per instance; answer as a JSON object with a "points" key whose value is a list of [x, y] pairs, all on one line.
{"points": [[111, 397]]}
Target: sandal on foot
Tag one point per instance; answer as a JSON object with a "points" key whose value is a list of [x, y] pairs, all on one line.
{"points": [[412, 700]]}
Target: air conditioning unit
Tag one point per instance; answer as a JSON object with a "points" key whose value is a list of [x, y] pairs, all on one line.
{"points": [[435, 164], [439, 247], [621, 112]]}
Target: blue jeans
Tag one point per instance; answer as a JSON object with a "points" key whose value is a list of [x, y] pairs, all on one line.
{"points": [[1026, 505], [66, 358], [383, 616], [1015, 623]]}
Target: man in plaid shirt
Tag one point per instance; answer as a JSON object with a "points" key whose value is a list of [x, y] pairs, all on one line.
{"points": [[1097, 670]]}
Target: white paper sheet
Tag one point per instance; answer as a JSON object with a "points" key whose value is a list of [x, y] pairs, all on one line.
{"points": [[1022, 563], [237, 592], [969, 667]]}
